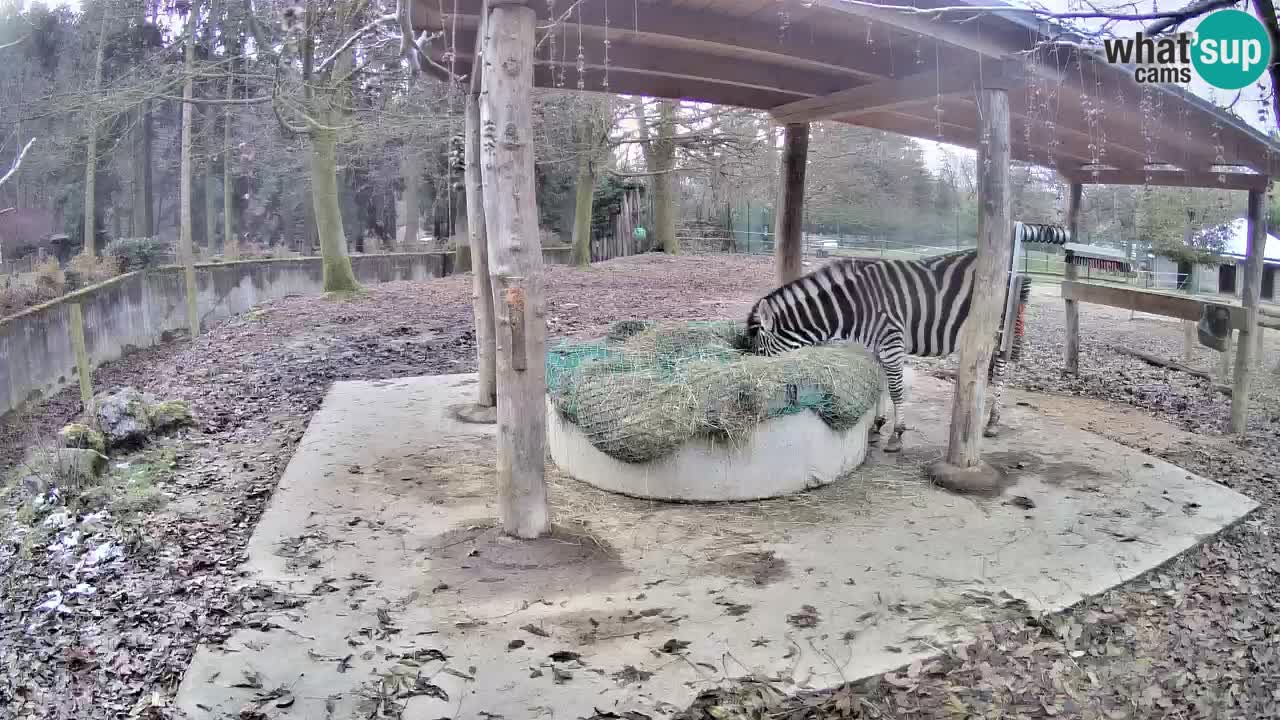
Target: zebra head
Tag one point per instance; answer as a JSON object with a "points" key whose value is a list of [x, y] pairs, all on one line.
{"points": [[762, 331]]}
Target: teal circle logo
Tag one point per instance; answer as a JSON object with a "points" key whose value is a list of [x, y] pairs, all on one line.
{"points": [[1232, 49]]}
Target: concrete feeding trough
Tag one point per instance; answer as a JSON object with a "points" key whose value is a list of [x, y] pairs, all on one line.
{"points": [[680, 411], [780, 456]]}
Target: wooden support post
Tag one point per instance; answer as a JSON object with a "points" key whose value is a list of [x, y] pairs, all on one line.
{"points": [[1251, 298], [789, 226], [83, 367], [1224, 362], [515, 257], [1189, 339], [1260, 352], [963, 469], [1072, 272], [481, 285]]}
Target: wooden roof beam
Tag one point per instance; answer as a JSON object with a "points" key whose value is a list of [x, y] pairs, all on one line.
{"points": [[893, 93], [954, 134], [720, 35], [941, 30], [1169, 178], [1070, 140], [626, 55]]}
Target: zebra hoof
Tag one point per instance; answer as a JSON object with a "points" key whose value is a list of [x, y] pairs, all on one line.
{"points": [[894, 445], [991, 431]]}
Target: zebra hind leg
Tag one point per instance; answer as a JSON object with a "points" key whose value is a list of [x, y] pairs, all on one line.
{"points": [[893, 372], [999, 365], [996, 381], [873, 433]]}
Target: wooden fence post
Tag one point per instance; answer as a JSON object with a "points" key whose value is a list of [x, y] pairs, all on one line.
{"points": [[1072, 272], [515, 257], [963, 469], [789, 233], [1224, 361], [83, 367], [1250, 299]]}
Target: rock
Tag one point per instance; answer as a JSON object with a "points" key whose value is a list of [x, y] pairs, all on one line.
{"points": [[62, 467], [82, 437], [170, 414], [123, 417]]}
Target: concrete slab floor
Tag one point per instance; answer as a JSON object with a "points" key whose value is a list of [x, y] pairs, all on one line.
{"points": [[383, 520]]}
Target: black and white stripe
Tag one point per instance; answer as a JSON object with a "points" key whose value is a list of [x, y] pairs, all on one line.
{"points": [[894, 308]]}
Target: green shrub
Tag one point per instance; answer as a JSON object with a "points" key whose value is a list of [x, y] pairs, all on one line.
{"points": [[137, 253]]}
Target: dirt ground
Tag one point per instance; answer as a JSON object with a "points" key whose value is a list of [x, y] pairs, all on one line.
{"points": [[1195, 639]]}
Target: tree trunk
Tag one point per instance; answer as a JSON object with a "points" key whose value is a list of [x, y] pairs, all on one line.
{"points": [[481, 284], [338, 275], [141, 156], [511, 221], [461, 240], [91, 146], [211, 183], [411, 169], [148, 186], [660, 157], [185, 243], [585, 194], [230, 243]]}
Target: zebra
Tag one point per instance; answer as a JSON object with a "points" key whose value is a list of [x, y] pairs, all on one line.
{"points": [[894, 308]]}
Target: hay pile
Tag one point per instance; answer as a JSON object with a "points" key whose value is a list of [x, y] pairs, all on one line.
{"points": [[646, 389]]}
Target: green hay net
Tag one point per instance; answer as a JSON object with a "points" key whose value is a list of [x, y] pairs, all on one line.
{"points": [[646, 389]]}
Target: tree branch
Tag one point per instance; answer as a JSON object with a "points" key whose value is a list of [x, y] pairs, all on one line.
{"points": [[17, 163], [1266, 10], [219, 101], [324, 64], [11, 43], [619, 173], [1199, 7]]}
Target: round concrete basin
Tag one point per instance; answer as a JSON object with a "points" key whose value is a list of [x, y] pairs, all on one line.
{"points": [[782, 456]]}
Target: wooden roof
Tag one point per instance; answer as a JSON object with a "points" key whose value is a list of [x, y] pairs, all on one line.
{"points": [[904, 72]]}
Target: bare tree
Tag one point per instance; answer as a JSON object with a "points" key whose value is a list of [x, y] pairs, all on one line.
{"points": [[91, 145]]}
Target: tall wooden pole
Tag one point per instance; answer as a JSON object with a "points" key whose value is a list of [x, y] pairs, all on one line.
{"points": [[963, 469], [481, 286], [1072, 272], [1247, 346], [515, 256], [789, 226]]}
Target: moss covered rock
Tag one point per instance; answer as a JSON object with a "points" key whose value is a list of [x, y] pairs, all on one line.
{"points": [[170, 414], [81, 437], [123, 417]]}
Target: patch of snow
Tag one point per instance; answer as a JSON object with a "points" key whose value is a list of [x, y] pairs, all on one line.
{"points": [[102, 553]]}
